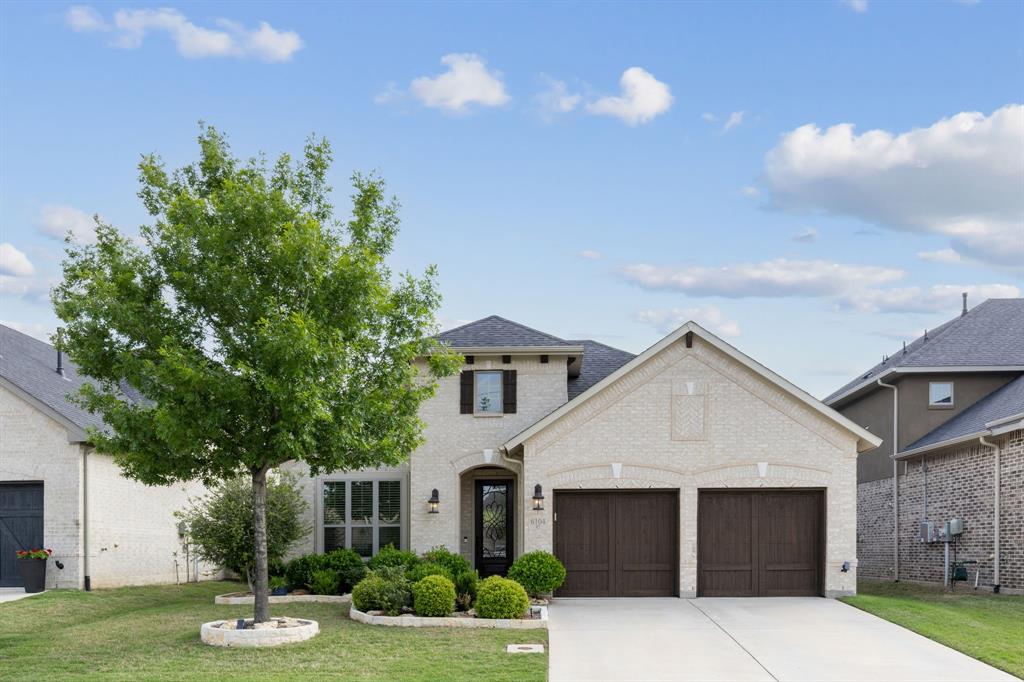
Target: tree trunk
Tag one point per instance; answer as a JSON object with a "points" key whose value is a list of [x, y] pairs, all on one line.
{"points": [[259, 515]]}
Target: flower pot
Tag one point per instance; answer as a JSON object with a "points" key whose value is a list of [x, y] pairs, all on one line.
{"points": [[279, 591], [33, 574]]}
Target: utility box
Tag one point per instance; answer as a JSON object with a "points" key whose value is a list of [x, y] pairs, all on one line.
{"points": [[927, 533], [956, 527]]}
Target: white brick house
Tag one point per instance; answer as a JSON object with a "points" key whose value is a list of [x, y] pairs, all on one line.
{"points": [[689, 469], [56, 492]]}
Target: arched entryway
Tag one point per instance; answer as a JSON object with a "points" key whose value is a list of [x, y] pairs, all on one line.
{"points": [[489, 514]]}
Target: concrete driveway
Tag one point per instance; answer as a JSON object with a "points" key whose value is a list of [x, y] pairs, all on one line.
{"points": [[743, 639]]}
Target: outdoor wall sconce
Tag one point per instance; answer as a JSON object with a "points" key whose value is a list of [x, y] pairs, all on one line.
{"points": [[433, 501], [538, 498]]}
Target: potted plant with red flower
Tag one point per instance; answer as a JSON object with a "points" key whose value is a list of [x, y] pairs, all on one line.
{"points": [[32, 564]]}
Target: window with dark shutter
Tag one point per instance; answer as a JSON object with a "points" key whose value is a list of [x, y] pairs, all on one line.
{"points": [[466, 392], [509, 385]]}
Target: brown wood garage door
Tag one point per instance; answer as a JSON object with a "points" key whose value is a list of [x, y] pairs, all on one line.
{"points": [[618, 543], [763, 543]]}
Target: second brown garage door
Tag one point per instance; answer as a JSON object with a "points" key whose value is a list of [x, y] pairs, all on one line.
{"points": [[618, 543], [763, 543]]}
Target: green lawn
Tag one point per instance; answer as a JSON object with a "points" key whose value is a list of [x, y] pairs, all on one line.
{"points": [[986, 626], [149, 633]]}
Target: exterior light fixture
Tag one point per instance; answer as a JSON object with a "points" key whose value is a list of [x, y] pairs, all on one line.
{"points": [[538, 498], [433, 501]]}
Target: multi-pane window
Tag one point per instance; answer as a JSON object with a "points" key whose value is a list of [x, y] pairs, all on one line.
{"points": [[363, 515], [940, 394], [487, 398]]}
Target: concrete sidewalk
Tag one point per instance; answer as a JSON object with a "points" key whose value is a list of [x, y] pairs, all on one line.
{"points": [[743, 639], [15, 593]]}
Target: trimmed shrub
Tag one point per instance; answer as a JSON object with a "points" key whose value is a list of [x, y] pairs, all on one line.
{"points": [[455, 563], [396, 593], [299, 570], [434, 595], [465, 589], [368, 594], [538, 572], [324, 581], [348, 565], [389, 556], [499, 597], [425, 568]]}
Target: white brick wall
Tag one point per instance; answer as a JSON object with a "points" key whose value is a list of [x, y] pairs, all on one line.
{"points": [[133, 534], [746, 420]]}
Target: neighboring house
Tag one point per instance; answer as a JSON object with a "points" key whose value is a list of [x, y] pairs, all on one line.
{"points": [[953, 402], [56, 492], [687, 470]]}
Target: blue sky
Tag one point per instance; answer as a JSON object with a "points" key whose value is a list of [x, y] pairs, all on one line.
{"points": [[813, 181]]}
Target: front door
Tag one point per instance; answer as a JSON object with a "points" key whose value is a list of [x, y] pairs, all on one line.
{"points": [[21, 526], [494, 529]]}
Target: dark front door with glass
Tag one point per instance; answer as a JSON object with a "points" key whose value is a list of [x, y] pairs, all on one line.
{"points": [[494, 530]]}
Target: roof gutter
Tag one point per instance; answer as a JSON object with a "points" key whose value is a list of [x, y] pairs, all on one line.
{"points": [[517, 350], [996, 427], [892, 371]]}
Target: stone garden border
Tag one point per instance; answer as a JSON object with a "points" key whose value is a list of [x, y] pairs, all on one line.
{"points": [[210, 633], [410, 621], [242, 598]]}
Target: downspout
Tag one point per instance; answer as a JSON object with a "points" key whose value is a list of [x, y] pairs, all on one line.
{"points": [[995, 520], [895, 480], [85, 518]]}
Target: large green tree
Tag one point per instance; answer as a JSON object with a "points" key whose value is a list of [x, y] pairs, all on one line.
{"points": [[250, 328]]}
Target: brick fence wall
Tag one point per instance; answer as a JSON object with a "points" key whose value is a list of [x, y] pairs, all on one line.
{"points": [[959, 484]]}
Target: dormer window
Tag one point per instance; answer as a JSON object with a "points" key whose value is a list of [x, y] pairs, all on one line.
{"points": [[487, 393], [940, 394]]}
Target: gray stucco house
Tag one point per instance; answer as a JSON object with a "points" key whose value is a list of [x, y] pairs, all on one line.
{"points": [[689, 469], [953, 403], [56, 492]]}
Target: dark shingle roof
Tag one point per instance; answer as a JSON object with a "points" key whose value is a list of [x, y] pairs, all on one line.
{"points": [[497, 331], [990, 335], [31, 365], [1008, 401], [599, 361]]}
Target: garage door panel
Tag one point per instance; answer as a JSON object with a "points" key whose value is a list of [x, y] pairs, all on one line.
{"points": [[776, 552], [639, 553]]}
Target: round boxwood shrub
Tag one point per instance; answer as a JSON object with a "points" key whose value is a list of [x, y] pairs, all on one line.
{"points": [[368, 594], [538, 572], [389, 556], [434, 595], [324, 581], [455, 563], [498, 597], [425, 568]]}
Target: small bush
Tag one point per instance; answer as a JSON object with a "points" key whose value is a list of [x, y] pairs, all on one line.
{"points": [[396, 592], [465, 589], [538, 572], [389, 556], [455, 563], [276, 582], [434, 595], [368, 594], [425, 568], [348, 565], [324, 581], [299, 570], [499, 597]]}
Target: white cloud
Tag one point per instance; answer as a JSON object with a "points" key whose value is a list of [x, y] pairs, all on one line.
{"points": [[940, 256], [708, 316], [750, 191], [57, 221], [858, 6], [39, 331], [467, 81], [643, 97], [389, 95], [735, 119], [776, 278], [229, 39], [960, 177], [83, 19], [556, 99], [589, 254], [941, 298], [14, 262], [709, 117], [806, 236]]}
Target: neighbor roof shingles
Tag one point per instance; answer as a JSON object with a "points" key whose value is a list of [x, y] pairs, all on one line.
{"points": [[990, 335], [599, 361], [496, 331], [1008, 401]]}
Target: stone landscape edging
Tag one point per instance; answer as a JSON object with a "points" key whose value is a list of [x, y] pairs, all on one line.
{"points": [[410, 621], [235, 598], [213, 635]]}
